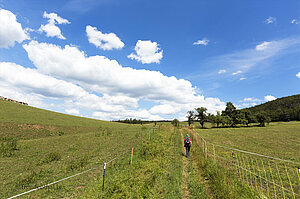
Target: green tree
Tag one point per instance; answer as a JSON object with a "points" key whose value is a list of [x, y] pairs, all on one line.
{"points": [[175, 122], [218, 118], [262, 118], [201, 115], [230, 110], [191, 117]]}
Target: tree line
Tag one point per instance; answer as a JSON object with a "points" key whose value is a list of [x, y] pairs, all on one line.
{"points": [[230, 117]]}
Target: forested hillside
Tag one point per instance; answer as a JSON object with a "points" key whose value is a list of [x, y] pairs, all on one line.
{"points": [[282, 109]]}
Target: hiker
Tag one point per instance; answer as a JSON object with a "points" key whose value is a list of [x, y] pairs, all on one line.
{"points": [[187, 145]]}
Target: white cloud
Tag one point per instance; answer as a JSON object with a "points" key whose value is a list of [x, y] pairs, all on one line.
{"points": [[295, 21], [269, 98], [270, 20], [147, 52], [261, 55], [50, 28], [204, 42], [237, 72], [72, 111], [243, 78], [121, 87], [10, 30], [105, 41], [54, 18], [222, 71], [298, 75], [249, 99], [33, 81], [142, 114], [164, 109], [263, 46]]}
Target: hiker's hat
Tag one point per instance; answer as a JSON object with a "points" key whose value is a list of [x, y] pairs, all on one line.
{"points": [[187, 135]]}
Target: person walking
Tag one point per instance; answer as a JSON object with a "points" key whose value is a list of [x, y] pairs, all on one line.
{"points": [[187, 145]]}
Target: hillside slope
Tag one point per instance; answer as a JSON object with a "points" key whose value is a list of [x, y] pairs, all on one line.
{"points": [[281, 109], [17, 113]]}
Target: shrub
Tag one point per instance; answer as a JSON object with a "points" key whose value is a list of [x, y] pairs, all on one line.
{"points": [[7, 146], [50, 157], [60, 133], [76, 164]]}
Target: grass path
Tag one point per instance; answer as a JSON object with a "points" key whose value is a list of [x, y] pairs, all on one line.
{"points": [[185, 173]]}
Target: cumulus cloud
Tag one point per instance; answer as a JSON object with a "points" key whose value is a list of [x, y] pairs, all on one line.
{"points": [[263, 46], [203, 42], [147, 52], [269, 98], [121, 87], [11, 31], [72, 111], [105, 41], [221, 71], [50, 28], [295, 21], [270, 20], [298, 75]]}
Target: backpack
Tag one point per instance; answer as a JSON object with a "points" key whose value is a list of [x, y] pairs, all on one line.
{"points": [[187, 141]]}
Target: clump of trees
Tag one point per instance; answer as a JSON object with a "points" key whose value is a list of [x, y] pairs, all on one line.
{"points": [[230, 117], [175, 123]]}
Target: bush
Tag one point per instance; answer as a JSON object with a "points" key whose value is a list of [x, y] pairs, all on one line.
{"points": [[50, 157], [60, 133], [7, 146], [78, 163]]}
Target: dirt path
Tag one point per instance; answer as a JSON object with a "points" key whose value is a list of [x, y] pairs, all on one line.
{"points": [[185, 173], [200, 175]]}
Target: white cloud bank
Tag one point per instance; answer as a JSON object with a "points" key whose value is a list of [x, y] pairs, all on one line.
{"points": [[203, 42], [10, 30], [147, 52], [50, 28], [121, 87], [269, 98], [298, 75], [105, 41], [72, 111]]}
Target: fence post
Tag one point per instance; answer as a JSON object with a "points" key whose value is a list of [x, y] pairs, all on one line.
{"points": [[131, 156], [214, 152], [205, 149], [103, 176]]}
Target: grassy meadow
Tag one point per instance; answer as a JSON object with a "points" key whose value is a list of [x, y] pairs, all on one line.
{"points": [[39, 147]]}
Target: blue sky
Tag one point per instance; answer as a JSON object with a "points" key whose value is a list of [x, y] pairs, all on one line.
{"points": [[113, 59]]}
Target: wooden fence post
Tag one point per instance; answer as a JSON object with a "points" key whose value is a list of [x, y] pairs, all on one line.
{"points": [[205, 149], [131, 156]]}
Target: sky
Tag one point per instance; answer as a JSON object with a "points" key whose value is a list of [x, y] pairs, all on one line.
{"points": [[150, 60]]}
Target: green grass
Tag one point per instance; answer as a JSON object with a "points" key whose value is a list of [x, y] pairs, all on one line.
{"points": [[51, 146], [280, 140], [38, 147]]}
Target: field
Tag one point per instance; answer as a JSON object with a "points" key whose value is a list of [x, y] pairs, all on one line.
{"points": [[39, 147]]}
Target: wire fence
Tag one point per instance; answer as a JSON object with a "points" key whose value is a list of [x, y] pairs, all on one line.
{"points": [[271, 177], [151, 130]]}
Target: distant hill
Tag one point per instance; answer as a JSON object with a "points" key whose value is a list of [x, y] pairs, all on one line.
{"points": [[281, 109]]}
